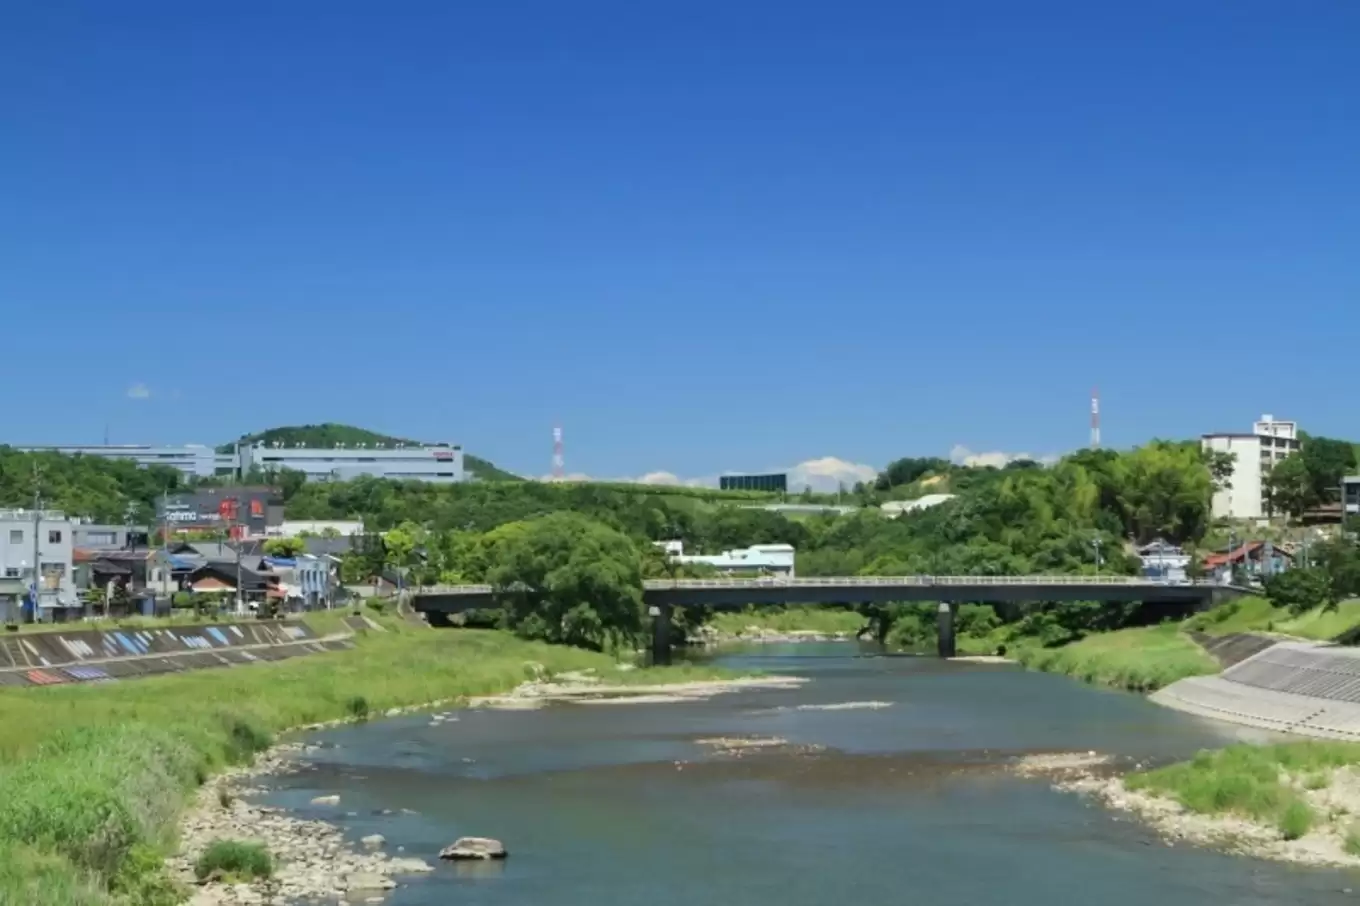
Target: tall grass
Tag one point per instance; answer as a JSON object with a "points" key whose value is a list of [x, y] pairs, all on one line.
{"points": [[234, 860], [1140, 659], [1256, 782], [93, 778]]}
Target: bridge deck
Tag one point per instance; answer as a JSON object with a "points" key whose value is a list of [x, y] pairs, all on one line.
{"points": [[736, 593]]}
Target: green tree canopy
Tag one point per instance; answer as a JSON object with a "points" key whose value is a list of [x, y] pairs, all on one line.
{"points": [[569, 579]]}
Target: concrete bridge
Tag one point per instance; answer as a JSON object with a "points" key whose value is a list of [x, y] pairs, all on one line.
{"points": [[661, 596]]}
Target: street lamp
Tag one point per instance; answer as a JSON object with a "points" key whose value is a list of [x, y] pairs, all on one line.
{"points": [[1095, 542]]}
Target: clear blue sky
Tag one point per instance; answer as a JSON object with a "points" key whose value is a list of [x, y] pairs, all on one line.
{"points": [[704, 235]]}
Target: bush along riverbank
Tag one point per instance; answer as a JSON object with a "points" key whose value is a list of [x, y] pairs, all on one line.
{"points": [[1296, 802], [94, 778]]}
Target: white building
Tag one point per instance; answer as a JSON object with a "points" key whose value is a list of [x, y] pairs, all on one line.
{"points": [[341, 528], [401, 462], [771, 558], [1255, 454], [192, 460], [54, 551]]}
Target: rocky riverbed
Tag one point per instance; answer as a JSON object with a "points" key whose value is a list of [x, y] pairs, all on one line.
{"points": [[312, 859]]}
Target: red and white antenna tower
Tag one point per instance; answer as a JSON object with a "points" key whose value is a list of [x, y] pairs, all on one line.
{"points": [[1095, 418], [559, 463]]}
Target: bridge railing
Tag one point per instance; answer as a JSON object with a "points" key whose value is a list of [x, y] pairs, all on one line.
{"points": [[864, 582]]}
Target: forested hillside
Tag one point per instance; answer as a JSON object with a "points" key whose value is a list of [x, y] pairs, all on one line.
{"points": [[106, 490]]}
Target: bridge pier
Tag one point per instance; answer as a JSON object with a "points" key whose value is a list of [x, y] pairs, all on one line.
{"points": [[944, 625], [661, 634]]}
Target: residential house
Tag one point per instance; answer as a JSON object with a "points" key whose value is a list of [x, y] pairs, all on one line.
{"points": [[1164, 561], [306, 580], [257, 582], [1259, 559]]}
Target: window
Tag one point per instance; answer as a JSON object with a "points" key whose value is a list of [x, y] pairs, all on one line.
{"points": [[100, 538], [54, 536], [11, 572], [16, 536]]}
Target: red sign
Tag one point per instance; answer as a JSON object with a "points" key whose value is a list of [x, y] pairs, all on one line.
{"points": [[257, 507], [443, 455], [227, 509]]}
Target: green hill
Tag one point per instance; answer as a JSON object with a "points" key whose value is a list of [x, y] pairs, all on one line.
{"points": [[330, 434]]}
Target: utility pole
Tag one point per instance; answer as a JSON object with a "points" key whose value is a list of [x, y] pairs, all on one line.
{"points": [[37, 549], [1095, 542], [165, 546]]}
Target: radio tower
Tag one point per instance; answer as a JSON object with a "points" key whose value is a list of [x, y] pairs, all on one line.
{"points": [[559, 462], [1095, 418]]}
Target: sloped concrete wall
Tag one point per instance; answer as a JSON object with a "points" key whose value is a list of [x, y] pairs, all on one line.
{"points": [[92, 655], [1292, 687]]}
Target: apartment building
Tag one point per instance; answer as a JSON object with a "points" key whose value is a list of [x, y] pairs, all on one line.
{"points": [[1255, 454]]}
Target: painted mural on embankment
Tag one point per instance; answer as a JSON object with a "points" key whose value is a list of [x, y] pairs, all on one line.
{"points": [[94, 655]]}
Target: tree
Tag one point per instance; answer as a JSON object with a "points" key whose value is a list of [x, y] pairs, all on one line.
{"points": [[1300, 589], [1288, 486], [568, 579], [286, 548], [1221, 465], [1327, 461]]}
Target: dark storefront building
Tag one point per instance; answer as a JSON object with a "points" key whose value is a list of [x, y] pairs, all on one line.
{"points": [[242, 511]]}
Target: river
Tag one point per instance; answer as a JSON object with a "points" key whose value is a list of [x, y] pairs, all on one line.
{"points": [[617, 804]]}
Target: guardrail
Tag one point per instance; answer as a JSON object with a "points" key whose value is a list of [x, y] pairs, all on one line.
{"points": [[867, 582]]}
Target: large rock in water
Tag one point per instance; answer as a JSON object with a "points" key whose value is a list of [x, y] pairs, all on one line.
{"points": [[473, 848]]}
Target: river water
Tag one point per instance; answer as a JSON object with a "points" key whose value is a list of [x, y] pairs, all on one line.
{"points": [[617, 804]]}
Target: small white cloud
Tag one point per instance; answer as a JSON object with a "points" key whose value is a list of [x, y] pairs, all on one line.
{"points": [[961, 455], [139, 391], [829, 473]]}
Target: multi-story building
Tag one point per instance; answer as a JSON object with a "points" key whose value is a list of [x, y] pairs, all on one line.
{"points": [[192, 460], [1254, 455], [50, 556], [1350, 490], [402, 462]]}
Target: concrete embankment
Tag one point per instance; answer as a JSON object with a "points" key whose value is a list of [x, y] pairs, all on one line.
{"points": [[100, 655], [1303, 688]]}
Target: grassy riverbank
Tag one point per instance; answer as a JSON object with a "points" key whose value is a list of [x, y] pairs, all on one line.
{"points": [[1293, 789], [94, 777], [1252, 614], [1142, 659]]}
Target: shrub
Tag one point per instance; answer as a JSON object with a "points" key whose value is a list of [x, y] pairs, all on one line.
{"points": [[356, 706], [1296, 820], [234, 860]]}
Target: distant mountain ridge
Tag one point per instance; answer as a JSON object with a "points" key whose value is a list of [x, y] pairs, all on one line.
{"points": [[330, 434]]}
